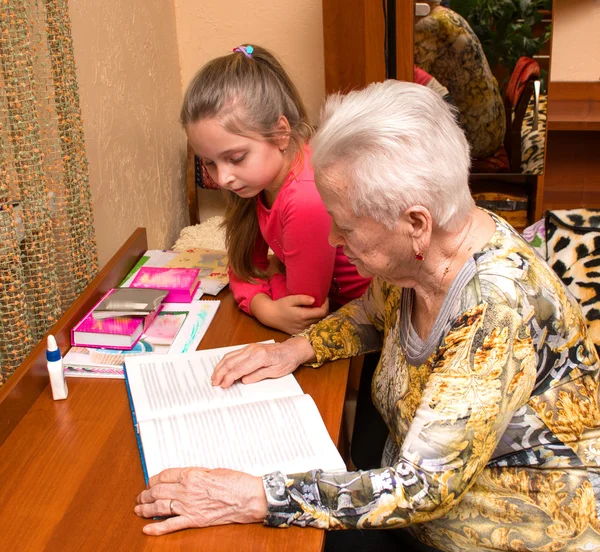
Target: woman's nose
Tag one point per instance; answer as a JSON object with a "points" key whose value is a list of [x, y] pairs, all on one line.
{"points": [[335, 239]]}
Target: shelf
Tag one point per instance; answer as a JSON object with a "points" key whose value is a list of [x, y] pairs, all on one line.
{"points": [[574, 106]]}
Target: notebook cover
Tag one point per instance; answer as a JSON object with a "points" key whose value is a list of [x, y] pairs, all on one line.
{"points": [[124, 325], [135, 427], [106, 326], [139, 302], [181, 283]]}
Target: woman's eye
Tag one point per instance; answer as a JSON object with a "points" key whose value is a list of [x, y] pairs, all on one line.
{"points": [[207, 163]]}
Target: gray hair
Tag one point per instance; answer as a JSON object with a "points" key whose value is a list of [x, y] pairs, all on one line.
{"points": [[398, 145]]}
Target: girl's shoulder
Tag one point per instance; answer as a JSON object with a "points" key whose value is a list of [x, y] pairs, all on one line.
{"points": [[300, 186], [302, 170]]}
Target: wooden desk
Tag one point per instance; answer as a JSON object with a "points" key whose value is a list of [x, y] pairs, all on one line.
{"points": [[70, 470]]}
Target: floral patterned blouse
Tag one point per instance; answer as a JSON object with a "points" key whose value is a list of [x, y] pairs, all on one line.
{"points": [[447, 48], [494, 439]]}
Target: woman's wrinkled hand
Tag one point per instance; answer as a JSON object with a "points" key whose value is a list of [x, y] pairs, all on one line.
{"points": [[260, 361], [199, 497]]}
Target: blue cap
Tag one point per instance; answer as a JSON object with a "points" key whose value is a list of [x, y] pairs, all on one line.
{"points": [[52, 356]]}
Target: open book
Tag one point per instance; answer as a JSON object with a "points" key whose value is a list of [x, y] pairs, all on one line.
{"points": [[181, 420]]}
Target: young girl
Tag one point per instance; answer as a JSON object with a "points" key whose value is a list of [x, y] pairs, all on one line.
{"points": [[245, 120]]}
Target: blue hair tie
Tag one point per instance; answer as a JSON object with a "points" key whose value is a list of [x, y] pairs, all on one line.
{"points": [[246, 50]]}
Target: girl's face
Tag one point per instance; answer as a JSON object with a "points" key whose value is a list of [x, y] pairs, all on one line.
{"points": [[245, 166]]}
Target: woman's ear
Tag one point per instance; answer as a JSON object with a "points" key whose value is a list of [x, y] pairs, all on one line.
{"points": [[420, 227], [283, 132]]}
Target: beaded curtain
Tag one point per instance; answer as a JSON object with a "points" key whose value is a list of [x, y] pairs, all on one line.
{"points": [[47, 246]]}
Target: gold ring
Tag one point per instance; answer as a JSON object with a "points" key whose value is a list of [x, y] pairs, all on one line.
{"points": [[171, 507]]}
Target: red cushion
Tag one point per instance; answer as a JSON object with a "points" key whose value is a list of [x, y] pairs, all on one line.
{"points": [[526, 69], [497, 163], [207, 181]]}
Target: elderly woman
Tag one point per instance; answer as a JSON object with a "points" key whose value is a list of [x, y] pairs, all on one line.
{"points": [[488, 381]]}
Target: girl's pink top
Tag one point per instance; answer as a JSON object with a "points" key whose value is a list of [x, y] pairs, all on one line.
{"points": [[296, 228]]}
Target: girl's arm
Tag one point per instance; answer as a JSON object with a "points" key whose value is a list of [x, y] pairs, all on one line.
{"points": [[288, 313], [304, 246], [296, 297], [244, 292]]}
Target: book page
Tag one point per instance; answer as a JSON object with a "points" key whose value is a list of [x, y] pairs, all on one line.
{"points": [[286, 434], [201, 315], [171, 384]]}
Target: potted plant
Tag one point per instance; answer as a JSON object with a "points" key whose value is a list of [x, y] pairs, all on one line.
{"points": [[507, 29]]}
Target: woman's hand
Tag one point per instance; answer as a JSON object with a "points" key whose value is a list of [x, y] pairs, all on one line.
{"points": [[260, 361], [198, 497], [291, 314]]}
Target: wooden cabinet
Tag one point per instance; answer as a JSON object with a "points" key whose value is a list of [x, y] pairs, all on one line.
{"points": [[354, 41], [573, 142], [355, 55]]}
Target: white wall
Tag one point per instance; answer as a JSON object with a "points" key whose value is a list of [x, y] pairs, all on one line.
{"points": [[576, 41], [130, 88], [291, 29], [134, 59]]}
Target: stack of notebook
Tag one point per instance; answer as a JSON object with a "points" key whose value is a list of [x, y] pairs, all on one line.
{"points": [[119, 319]]}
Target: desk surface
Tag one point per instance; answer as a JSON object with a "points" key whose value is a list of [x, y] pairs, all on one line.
{"points": [[70, 470]]}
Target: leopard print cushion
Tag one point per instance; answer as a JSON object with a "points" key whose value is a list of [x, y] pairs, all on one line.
{"points": [[532, 141], [573, 251]]}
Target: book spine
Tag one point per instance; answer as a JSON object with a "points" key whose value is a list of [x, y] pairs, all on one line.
{"points": [[136, 428], [117, 370]]}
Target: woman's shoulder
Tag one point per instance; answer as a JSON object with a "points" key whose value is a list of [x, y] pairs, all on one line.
{"points": [[509, 267]]}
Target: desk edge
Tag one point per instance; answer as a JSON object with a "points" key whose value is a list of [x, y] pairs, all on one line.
{"points": [[31, 378]]}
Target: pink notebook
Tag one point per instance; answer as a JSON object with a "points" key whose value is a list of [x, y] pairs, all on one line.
{"points": [[110, 333], [181, 283]]}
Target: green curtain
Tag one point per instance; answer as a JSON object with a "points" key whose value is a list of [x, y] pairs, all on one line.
{"points": [[47, 246]]}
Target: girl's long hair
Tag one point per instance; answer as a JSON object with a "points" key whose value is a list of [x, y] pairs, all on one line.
{"points": [[248, 95]]}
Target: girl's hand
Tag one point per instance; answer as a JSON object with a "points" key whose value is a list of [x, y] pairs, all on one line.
{"points": [[260, 361], [295, 313], [290, 314], [198, 497]]}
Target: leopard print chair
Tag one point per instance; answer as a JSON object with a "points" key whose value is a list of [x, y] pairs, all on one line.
{"points": [[521, 98], [569, 241], [532, 136]]}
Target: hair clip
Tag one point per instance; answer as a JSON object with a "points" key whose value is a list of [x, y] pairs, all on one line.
{"points": [[246, 50]]}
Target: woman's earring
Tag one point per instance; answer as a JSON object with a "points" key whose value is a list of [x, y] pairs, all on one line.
{"points": [[419, 256]]}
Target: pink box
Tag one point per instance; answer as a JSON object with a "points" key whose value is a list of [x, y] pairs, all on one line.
{"points": [[181, 283]]}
